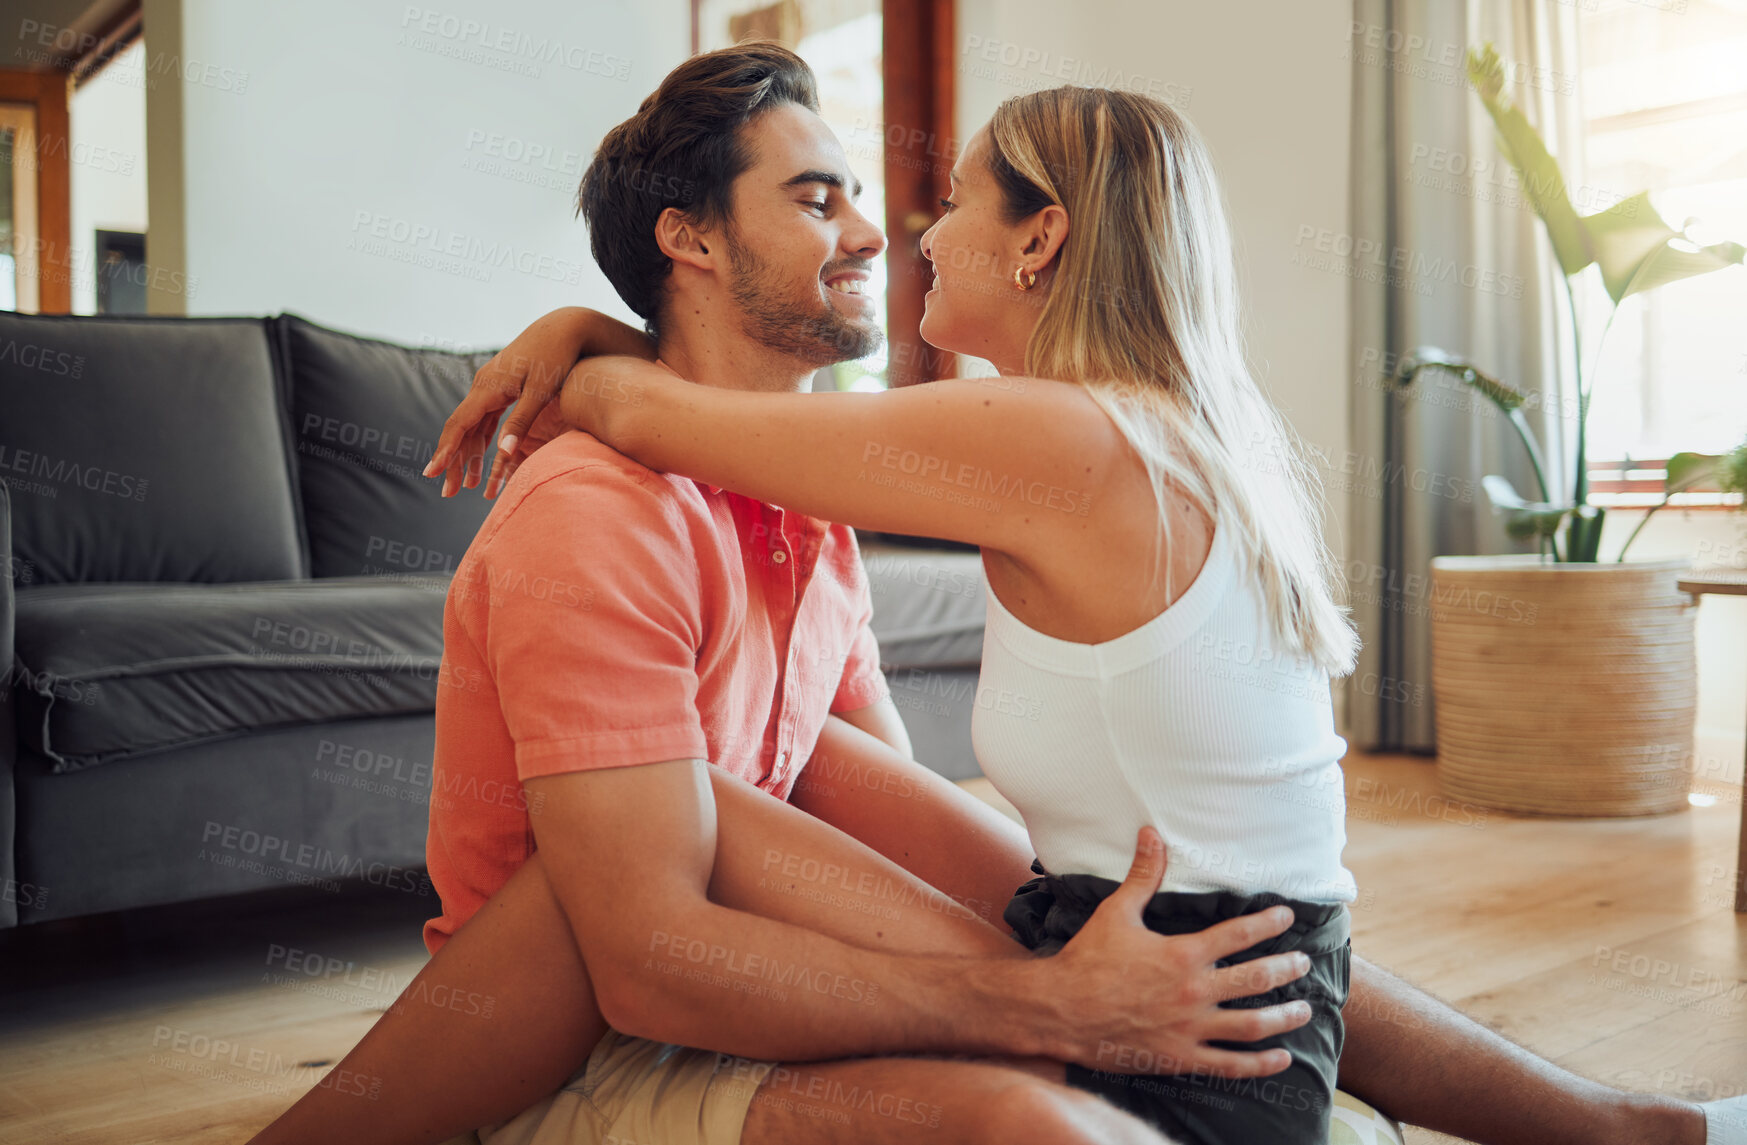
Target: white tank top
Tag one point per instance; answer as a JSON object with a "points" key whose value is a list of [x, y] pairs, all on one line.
{"points": [[1197, 722]]}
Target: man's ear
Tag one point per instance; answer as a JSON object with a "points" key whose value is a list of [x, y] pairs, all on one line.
{"points": [[1042, 238], [683, 240]]}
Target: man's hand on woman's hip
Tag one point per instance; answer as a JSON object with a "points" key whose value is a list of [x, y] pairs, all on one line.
{"points": [[1129, 1000]]}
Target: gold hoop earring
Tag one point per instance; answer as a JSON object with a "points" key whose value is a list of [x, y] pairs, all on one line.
{"points": [[1026, 283]]}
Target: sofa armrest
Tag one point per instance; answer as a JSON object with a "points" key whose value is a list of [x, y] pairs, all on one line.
{"points": [[10, 572]]}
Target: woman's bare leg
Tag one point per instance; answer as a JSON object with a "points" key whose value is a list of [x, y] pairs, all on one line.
{"points": [[1427, 1064], [1406, 1052], [928, 825], [425, 1072], [505, 1012]]}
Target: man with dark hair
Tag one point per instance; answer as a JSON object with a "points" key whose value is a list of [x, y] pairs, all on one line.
{"points": [[684, 150]]}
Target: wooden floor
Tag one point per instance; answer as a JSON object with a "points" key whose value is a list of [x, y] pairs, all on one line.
{"points": [[1609, 946]]}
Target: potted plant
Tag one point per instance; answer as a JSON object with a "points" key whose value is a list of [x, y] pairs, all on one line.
{"points": [[1566, 685]]}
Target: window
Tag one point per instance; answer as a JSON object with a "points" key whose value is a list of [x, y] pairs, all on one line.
{"points": [[1665, 110]]}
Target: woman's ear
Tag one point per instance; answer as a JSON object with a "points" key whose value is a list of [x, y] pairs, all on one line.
{"points": [[1043, 237], [683, 240]]}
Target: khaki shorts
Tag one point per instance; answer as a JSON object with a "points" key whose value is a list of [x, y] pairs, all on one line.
{"points": [[637, 1092]]}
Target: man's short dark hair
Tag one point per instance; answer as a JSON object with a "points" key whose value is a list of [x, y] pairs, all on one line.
{"points": [[682, 149]]}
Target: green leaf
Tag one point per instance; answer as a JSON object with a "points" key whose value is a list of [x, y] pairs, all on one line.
{"points": [[1732, 472], [1509, 401], [1632, 245], [1500, 394], [1522, 146], [1688, 469], [1583, 538], [1523, 519], [1630, 241], [1671, 263], [1504, 397], [1684, 471]]}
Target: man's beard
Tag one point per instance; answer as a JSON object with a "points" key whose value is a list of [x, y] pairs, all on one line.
{"points": [[808, 329]]}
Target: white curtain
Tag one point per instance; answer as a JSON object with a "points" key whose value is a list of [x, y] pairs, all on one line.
{"points": [[1452, 256]]}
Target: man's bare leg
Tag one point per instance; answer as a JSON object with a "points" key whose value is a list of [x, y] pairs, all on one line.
{"points": [[527, 1019], [1406, 1053]]}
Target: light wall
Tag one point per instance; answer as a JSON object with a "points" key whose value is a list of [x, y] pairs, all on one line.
{"points": [[337, 158], [1271, 96], [402, 170]]}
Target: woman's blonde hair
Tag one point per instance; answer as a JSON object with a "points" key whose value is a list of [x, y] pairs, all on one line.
{"points": [[1142, 310]]}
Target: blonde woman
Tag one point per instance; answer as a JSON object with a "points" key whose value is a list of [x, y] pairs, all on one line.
{"points": [[1161, 625]]}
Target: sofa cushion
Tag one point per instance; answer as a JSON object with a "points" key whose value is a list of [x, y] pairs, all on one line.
{"points": [[146, 449], [929, 606], [303, 806], [366, 415], [110, 672]]}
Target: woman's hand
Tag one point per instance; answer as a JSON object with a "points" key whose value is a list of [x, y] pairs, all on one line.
{"points": [[599, 388], [525, 375], [547, 424], [595, 387]]}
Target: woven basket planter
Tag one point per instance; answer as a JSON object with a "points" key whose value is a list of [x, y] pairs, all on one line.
{"points": [[1563, 689]]}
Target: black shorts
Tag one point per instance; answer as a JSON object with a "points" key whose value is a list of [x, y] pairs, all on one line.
{"points": [[1195, 1109]]}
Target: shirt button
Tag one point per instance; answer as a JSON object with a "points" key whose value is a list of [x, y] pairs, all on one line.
{"points": [[779, 556]]}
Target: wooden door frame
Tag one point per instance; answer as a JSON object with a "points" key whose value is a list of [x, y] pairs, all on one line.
{"points": [[918, 61], [48, 93]]}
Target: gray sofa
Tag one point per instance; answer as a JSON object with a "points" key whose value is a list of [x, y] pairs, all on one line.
{"points": [[929, 606], [221, 619]]}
